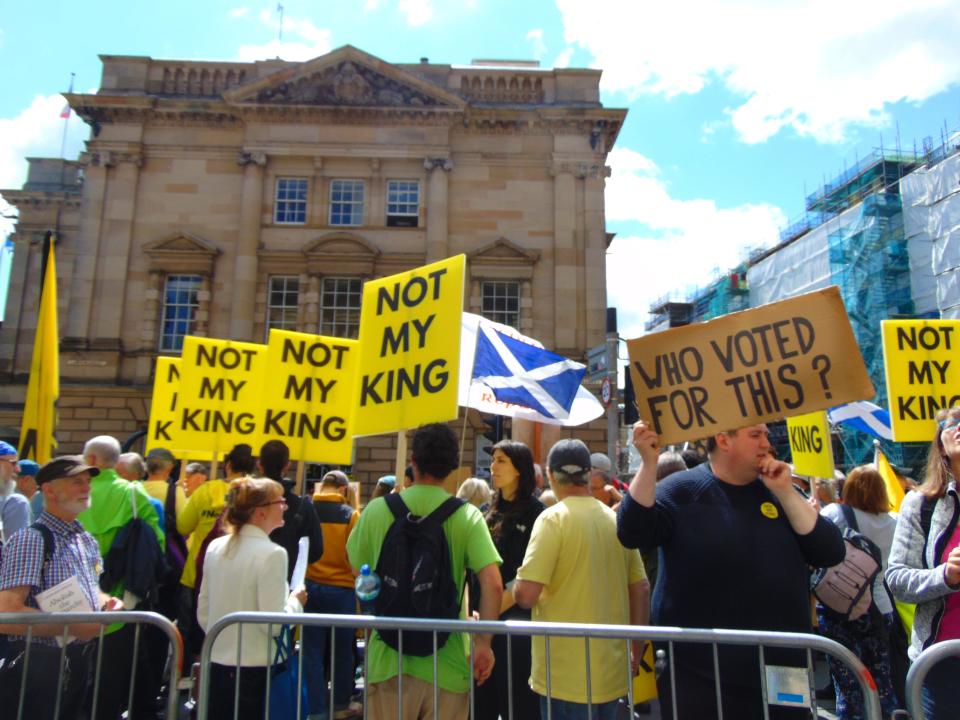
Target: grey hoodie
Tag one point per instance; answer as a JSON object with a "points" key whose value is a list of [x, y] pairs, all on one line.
{"points": [[915, 576]]}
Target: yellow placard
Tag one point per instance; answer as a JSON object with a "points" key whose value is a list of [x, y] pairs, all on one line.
{"points": [[162, 430], [221, 384], [163, 405], [410, 348], [923, 375], [810, 444], [769, 362], [308, 395]]}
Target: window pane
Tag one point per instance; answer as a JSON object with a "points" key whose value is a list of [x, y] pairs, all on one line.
{"points": [[340, 307], [179, 310], [290, 204], [282, 303]]}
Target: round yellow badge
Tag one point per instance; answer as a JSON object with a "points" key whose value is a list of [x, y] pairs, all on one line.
{"points": [[770, 510]]}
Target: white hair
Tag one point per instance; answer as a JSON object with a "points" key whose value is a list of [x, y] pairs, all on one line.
{"points": [[104, 448], [476, 492], [133, 461]]}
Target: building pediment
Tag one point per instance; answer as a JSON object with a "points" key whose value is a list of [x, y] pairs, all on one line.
{"points": [[182, 252], [346, 77], [502, 250], [341, 253], [502, 260]]}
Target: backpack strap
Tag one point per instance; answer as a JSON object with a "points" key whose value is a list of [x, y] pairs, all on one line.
{"points": [[48, 544], [850, 516], [397, 506], [447, 508], [927, 506]]}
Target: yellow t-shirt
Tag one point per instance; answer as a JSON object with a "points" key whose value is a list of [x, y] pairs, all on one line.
{"points": [[158, 490], [197, 520], [575, 554]]}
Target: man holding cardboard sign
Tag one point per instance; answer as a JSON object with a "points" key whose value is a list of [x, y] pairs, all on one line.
{"points": [[733, 529]]}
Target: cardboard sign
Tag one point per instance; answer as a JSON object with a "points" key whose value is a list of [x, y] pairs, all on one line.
{"points": [[410, 348], [220, 392], [786, 358], [810, 444], [308, 395], [923, 374]]}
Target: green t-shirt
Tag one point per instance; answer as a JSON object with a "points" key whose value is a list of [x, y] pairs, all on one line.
{"points": [[470, 547]]}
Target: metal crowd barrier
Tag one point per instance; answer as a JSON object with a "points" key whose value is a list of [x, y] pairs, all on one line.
{"points": [[103, 619], [918, 673], [667, 635]]}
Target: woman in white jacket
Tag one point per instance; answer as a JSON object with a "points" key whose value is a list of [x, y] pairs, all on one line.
{"points": [[245, 571]]}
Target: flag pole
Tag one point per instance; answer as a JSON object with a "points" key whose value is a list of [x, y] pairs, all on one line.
{"points": [[66, 122], [466, 407]]}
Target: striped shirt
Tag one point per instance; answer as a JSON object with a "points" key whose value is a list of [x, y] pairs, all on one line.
{"points": [[75, 553]]}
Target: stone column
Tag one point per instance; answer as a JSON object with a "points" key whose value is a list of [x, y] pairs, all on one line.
{"points": [[244, 282], [311, 304], [201, 327], [13, 342], [113, 258], [437, 207], [375, 212], [595, 255], [564, 258], [88, 245], [150, 325]]}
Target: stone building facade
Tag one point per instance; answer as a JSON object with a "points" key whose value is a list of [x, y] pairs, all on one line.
{"points": [[225, 198]]}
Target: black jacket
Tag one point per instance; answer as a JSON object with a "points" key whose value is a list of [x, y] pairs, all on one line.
{"points": [[136, 560], [299, 520]]}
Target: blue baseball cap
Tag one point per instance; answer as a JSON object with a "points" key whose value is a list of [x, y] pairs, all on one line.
{"points": [[6, 449], [388, 480], [28, 468]]}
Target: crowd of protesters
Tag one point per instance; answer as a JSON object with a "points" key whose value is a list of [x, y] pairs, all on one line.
{"points": [[722, 539]]}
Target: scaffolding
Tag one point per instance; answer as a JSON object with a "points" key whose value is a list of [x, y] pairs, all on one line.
{"points": [[727, 294]]}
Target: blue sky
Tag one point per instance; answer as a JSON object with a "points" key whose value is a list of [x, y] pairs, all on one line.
{"points": [[736, 108]]}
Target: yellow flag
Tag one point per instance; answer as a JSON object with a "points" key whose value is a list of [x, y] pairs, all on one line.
{"points": [[894, 489], [37, 439]]}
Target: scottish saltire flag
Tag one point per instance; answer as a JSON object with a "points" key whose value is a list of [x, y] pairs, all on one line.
{"points": [[863, 416], [523, 374]]}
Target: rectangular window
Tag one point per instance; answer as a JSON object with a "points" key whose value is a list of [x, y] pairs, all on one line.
{"points": [[501, 302], [340, 306], [180, 305], [282, 300], [346, 202], [290, 206], [403, 203]]}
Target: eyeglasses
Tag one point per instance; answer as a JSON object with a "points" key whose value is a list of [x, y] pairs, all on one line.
{"points": [[275, 502], [950, 422]]}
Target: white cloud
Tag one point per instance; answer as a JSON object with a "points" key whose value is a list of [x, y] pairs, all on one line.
{"points": [[36, 132], [418, 12], [239, 12], [309, 40], [683, 241], [815, 66], [535, 38], [370, 5], [564, 58]]}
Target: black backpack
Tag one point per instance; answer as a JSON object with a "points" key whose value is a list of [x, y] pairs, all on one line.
{"points": [[846, 590], [416, 577]]}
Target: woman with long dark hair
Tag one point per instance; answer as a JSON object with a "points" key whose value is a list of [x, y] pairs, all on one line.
{"points": [[866, 509], [515, 508], [925, 563]]}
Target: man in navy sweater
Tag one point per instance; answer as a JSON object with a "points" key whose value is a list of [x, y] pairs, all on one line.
{"points": [[735, 543]]}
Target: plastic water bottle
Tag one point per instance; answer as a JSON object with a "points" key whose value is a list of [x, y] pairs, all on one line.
{"points": [[367, 586]]}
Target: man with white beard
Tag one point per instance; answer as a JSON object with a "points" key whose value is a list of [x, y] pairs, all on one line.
{"points": [[14, 507], [54, 549]]}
